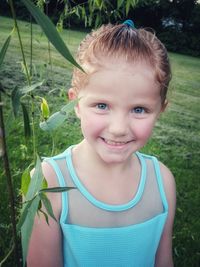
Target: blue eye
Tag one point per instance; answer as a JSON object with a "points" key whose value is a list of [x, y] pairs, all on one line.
{"points": [[139, 110], [102, 106]]}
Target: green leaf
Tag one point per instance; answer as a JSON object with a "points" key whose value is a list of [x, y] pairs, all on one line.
{"points": [[90, 18], [47, 204], [17, 93], [98, 3], [27, 127], [91, 6], [69, 107], [97, 20], [57, 119], [39, 206], [85, 21], [83, 12], [24, 213], [25, 181], [36, 181], [30, 208], [45, 216], [50, 30], [4, 49], [119, 3], [27, 226], [77, 12], [134, 3], [53, 122], [128, 4], [15, 98], [34, 186], [27, 89], [57, 189], [44, 184]]}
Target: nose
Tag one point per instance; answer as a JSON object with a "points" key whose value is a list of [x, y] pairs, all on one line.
{"points": [[118, 125]]}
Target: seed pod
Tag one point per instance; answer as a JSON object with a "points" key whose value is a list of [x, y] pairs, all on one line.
{"points": [[45, 109]]}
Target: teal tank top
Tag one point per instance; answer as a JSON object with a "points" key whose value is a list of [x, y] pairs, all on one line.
{"points": [[96, 234]]}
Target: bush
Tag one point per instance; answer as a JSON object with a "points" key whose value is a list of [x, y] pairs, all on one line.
{"points": [[181, 42]]}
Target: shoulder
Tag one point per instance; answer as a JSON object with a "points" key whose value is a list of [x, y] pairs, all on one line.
{"points": [[51, 167], [48, 172], [170, 192], [169, 183], [51, 178], [167, 176], [164, 252], [45, 248]]}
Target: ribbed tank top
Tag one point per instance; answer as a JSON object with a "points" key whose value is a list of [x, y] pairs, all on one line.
{"points": [[97, 234]]}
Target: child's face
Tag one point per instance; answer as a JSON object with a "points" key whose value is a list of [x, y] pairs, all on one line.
{"points": [[118, 109]]}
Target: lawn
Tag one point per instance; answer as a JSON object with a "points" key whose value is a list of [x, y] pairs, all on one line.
{"points": [[176, 139]]}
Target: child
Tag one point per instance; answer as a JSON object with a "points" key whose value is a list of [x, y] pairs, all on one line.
{"points": [[122, 210]]}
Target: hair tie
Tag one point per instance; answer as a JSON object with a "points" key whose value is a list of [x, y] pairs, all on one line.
{"points": [[129, 23]]}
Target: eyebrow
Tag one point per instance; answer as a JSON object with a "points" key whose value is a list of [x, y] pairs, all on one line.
{"points": [[98, 99]]}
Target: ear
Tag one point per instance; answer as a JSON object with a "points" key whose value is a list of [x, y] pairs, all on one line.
{"points": [[72, 95]]}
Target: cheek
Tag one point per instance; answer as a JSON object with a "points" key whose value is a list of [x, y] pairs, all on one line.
{"points": [[144, 129], [92, 125]]}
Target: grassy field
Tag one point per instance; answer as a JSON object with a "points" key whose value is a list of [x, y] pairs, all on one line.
{"points": [[176, 139]]}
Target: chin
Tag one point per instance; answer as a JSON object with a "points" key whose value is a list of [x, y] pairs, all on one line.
{"points": [[114, 159]]}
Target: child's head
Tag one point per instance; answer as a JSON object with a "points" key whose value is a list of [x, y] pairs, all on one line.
{"points": [[124, 42]]}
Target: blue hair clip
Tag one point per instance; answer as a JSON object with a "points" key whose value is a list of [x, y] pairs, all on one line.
{"points": [[129, 23]]}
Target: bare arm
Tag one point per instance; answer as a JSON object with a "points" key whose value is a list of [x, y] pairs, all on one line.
{"points": [[164, 252], [45, 248]]}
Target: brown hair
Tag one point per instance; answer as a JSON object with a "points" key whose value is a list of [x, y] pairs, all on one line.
{"points": [[122, 41]]}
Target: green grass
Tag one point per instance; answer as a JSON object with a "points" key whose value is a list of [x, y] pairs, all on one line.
{"points": [[176, 139]]}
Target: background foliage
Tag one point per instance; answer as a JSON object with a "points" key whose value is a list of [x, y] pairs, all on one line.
{"points": [[177, 22], [175, 140]]}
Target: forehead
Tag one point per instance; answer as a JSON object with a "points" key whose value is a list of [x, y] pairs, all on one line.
{"points": [[111, 66], [120, 78], [117, 63]]}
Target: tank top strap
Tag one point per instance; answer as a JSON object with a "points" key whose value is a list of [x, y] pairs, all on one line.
{"points": [[61, 181], [159, 180], [95, 201]]}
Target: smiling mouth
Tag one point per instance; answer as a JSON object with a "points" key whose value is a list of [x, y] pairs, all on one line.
{"points": [[115, 143]]}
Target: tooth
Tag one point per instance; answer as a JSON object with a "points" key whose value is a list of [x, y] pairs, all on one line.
{"points": [[114, 143]]}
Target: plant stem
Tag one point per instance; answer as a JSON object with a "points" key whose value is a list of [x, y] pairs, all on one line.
{"points": [[20, 41], [9, 185], [49, 53], [28, 77], [33, 129], [31, 47]]}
